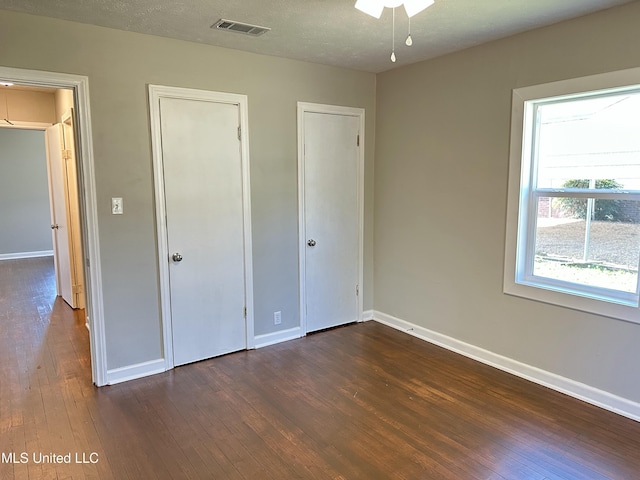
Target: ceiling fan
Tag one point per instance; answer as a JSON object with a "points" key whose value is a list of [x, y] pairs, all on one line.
{"points": [[375, 7]]}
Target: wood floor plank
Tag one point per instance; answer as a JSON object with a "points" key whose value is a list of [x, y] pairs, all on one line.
{"points": [[359, 402]]}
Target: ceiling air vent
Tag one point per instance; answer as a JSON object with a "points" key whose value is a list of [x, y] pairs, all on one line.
{"points": [[238, 27]]}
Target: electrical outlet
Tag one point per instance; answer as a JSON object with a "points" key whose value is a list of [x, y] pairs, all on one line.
{"points": [[277, 318], [117, 206]]}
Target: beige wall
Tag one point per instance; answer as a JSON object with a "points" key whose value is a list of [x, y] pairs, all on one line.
{"points": [[120, 65], [25, 217], [442, 153], [26, 106]]}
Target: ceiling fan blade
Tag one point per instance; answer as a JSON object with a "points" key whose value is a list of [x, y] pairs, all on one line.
{"points": [[371, 7], [416, 6]]}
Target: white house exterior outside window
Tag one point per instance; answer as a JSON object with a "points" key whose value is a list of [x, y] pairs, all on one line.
{"points": [[573, 217]]}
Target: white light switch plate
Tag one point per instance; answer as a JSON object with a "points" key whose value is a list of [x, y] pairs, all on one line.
{"points": [[116, 206]]}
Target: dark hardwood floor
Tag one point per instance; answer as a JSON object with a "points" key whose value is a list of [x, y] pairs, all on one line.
{"points": [[358, 402]]}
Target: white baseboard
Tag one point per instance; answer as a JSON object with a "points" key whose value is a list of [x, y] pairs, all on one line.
{"points": [[367, 315], [581, 391], [139, 370], [19, 255], [153, 367], [277, 337]]}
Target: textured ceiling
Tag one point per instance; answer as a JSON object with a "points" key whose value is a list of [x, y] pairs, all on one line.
{"points": [[331, 32]]}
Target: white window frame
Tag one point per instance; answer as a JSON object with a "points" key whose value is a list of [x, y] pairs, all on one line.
{"points": [[522, 197]]}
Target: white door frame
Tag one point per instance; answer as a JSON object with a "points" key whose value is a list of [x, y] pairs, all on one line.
{"points": [[155, 93], [304, 107], [88, 203]]}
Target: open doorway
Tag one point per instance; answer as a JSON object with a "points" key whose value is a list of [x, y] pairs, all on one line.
{"points": [[68, 138], [37, 158], [41, 250]]}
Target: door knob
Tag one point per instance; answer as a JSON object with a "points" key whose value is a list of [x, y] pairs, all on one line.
{"points": [[176, 257], [311, 243]]}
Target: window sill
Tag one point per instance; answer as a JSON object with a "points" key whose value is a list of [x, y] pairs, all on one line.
{"points": [[606, 307]]}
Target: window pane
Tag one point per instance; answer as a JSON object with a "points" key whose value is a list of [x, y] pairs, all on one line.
{"points": [[559, 235], [600, 253], [590, 143]]}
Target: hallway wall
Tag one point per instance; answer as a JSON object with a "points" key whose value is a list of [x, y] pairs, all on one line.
{"points": [[24, 194]]}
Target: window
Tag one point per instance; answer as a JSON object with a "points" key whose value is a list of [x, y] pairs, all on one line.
{"points": [[573, 221]]}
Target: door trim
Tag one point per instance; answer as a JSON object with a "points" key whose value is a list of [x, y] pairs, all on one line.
{"points": [[304, 107], [88, 203], [156, 92]]}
